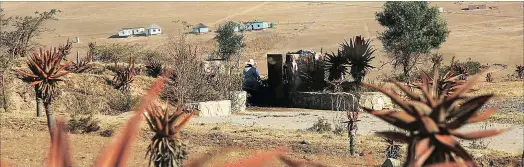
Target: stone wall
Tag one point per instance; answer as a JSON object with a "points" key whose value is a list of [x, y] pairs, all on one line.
{"points": [[325, 101], [341, 101]]}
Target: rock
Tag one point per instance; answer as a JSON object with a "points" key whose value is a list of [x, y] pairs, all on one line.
{"points": [[212, 108], [305, 142], [375, 100], [390, 162]]}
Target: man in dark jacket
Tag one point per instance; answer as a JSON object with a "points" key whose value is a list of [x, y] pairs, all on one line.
{"points": [[251, 80]]}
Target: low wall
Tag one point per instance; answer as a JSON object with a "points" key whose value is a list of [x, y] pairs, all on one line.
{"points": [[341, 101], [325, 101], [212, 108]]}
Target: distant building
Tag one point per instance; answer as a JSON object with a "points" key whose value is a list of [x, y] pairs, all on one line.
{"points": [[125, 32], [153, 29], [258, 25], [139, 31], [200, 28], [473, 7]]}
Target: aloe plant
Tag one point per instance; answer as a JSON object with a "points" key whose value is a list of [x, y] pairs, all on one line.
{"points": [[359, 53], [336, 65], [124, 76], [116, 153], [432, 120], [46, 70], [166, 148]]}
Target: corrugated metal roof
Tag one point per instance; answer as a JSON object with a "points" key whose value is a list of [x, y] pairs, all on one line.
{"points": [[200, 25], [153, 26]]}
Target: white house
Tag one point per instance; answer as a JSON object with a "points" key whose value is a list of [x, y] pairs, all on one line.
{"points": [[125, 32], [200, 28], [153, 29], [139, 31], [258, 25]]}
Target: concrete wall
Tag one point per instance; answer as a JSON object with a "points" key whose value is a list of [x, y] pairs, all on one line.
{"points": [[212, 108], [341, 101]]}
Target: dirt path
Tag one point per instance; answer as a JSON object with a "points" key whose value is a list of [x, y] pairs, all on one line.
{"points": [[510, 141]]}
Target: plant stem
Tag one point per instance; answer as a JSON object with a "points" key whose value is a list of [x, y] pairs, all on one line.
{"points": [[51, 122]]}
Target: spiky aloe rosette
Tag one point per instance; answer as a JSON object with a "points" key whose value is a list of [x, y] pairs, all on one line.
{"points": [[46, 70], [432, 120], [166, 149]]}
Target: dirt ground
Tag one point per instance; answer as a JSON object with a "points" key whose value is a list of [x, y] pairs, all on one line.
{"points": [[245, 133], [490, 36]]}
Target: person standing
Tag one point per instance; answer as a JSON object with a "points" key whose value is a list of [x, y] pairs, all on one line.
{"points": [[251, 80]]}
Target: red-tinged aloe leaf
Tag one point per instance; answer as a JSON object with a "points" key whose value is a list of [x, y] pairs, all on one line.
{"points": [[452, 164], [183, 122], [396, 136], [424, 156], [115, 154], [454, 146], [429, 125], [463, 88], [199, 162], [26, 74], [479, 134], [4, 164], [405, 89], [482, 116], [35, 82], [399, 119], [298, 163], [258, 159], [421, 146], [59, 152], [60, 74], [467, 110], [422, 109], [395, 98]]}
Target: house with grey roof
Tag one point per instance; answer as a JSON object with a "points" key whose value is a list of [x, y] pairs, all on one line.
{"points": [[153, 29], [200, 28]]}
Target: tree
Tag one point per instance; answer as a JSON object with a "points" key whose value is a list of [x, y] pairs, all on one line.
{"points": [[413, 29], [230, 43], [19, 40], [45, 72], [16, 34]]}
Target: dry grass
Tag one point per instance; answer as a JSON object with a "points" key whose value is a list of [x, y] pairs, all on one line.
{"points": [[500, 29], [328, 148]]}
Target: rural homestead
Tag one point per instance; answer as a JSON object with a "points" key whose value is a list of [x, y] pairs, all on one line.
{"points": [[152, 29], [262, 84]]}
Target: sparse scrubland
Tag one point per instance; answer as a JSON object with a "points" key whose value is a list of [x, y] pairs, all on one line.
{"points": [[112, 97]]}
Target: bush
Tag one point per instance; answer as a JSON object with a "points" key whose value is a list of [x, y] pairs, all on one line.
{"points": [[120, 102], [83, 123], [190, 82], [468, 67], [321, 126]]}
